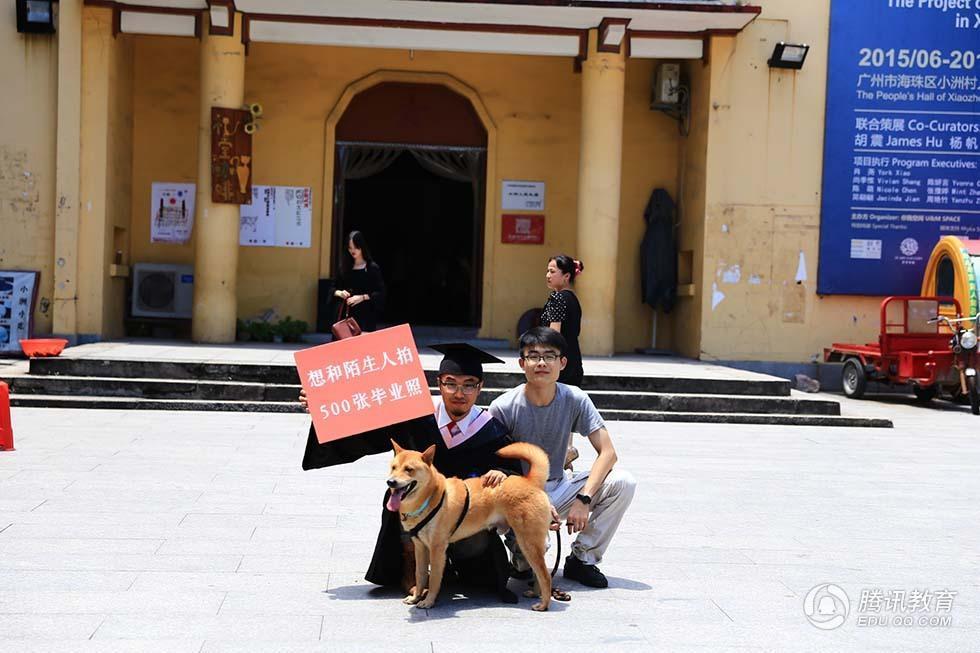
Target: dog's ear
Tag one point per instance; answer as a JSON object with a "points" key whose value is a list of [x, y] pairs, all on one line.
{"points": [[397, 449], [429, 454]]}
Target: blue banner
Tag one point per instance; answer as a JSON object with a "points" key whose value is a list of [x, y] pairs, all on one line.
{"points": [[902, 141]]}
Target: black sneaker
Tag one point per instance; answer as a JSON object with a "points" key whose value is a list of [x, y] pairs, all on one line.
{"points": [[588, 575]]}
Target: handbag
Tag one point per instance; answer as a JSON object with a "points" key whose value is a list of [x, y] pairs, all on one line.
{"points": [[345, 326]]}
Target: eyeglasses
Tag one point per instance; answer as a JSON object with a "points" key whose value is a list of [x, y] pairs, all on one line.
{"points": [[467, 388], [535, 357]]}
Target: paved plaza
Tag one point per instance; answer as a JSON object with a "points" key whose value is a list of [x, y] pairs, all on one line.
{"points": [[183, 531]]}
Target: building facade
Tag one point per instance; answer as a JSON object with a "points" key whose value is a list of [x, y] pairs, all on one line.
{"points": [[362, 101]]}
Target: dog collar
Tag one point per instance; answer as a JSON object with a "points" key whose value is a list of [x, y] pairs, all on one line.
{"points": [[422, 524], [416, 513]]}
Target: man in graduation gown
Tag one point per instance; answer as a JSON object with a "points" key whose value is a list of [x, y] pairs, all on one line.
{"points": [[466, 439]]}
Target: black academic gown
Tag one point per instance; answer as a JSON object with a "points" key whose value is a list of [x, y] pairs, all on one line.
{"points": [[474, 457]]}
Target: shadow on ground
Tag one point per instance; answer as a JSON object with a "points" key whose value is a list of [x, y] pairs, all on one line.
{"points": [[455, 598]]}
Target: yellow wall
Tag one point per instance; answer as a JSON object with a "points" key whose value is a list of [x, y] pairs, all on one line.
{"points": [[28, 77], [532, 101], [166, 74], [650, 159], [685, 319], [762, 214]]}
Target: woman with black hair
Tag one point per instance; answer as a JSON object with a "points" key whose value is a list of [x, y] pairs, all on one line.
{"points": [[563, 313], [361, 285]]}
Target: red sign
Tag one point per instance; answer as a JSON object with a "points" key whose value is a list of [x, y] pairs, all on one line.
{"points": [[363, 383], [523, 229]]}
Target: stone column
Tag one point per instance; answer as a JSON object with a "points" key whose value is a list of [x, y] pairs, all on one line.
{"points": [[67, 165], [217, 225], [599, 176]]}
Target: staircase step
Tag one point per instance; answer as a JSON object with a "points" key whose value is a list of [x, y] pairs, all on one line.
{"points": [[286, 375], [746, 418], [697, 403], [250, 391], [138, 403], [134, 403], [152, 388]]}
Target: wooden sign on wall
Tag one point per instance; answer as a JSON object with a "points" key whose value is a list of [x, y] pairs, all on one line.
{"points": [[231, 156]]}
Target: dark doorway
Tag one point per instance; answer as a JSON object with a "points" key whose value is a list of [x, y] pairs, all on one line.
{"points": [[410, 172], [422, 232]]}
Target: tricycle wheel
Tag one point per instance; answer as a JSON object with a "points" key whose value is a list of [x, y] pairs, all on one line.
{"points": [[971, 386], [926, 393], [853, 379]]}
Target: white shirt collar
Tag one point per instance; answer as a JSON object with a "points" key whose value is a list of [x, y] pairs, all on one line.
{"points": [[469, 426], [443, 418]]}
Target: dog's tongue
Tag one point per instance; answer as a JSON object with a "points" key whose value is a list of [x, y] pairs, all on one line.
{"points": [[394, 501]]}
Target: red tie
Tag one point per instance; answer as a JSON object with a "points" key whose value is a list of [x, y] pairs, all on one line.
{"points": [[454, 429]]}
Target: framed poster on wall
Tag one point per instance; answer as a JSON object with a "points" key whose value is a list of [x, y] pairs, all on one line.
{"points": [[279, 216], [18, 292], [171, 212]]}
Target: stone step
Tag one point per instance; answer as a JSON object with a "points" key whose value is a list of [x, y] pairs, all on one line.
{"points": [[773, 419], [132, 403], [152, 388], [247, 391], [286, 375]]}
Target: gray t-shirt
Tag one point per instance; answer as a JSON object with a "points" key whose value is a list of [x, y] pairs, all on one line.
{"points": [[550, 427]]}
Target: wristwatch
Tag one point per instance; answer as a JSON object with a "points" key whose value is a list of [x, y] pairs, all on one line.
{"points": [[584, 498]]}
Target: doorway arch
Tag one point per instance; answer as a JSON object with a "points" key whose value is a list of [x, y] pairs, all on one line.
{"points": [[426, 115]]}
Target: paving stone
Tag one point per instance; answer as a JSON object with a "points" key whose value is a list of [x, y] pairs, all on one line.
{"points": [[60, 580], [48, 627], [270, 628], [102, 602], [105, 646]]}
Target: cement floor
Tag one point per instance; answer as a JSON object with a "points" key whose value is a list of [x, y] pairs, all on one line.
{"points": [[155, 531]]}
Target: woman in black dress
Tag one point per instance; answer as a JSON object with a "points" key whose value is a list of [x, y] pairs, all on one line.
{"points": [[360, 283], [563, 313]]}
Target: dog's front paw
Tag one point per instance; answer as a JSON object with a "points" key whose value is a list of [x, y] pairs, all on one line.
{"points": [[540, 607], [412, 598], [427, 603]]}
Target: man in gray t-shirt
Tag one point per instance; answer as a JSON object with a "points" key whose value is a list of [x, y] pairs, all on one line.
{"points": [[545, 412]]}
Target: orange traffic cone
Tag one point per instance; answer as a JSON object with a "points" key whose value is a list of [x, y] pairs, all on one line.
{"points": [[6, 428]]}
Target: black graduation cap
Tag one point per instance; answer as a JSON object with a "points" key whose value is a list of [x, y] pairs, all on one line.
{"points": [[463, 359]]}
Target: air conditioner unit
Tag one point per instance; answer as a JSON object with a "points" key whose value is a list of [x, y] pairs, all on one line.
{"points": [[163, 290]]}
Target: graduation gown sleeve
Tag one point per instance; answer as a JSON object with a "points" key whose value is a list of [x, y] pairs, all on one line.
{"points": [[347, 450]]}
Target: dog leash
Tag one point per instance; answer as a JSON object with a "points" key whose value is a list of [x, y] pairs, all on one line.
{"points": [[556, 593], [554, 570]]}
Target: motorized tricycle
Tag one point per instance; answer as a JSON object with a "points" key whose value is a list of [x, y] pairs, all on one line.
{"points": [[911, 349], [963, 344]]}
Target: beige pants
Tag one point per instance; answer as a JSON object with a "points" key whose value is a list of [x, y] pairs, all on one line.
{"points": [[605, 512]]}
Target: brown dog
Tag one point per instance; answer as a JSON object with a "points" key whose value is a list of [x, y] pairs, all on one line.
{"points": [[437, 510]]}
